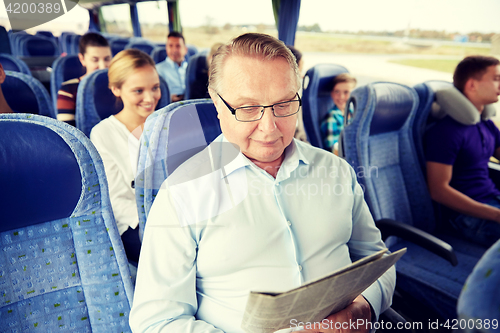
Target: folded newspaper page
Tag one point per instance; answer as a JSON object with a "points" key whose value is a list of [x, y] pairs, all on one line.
{"points": [[268, 312]]}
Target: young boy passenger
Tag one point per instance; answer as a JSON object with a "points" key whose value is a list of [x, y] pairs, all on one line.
{"points": [[94, 53]]}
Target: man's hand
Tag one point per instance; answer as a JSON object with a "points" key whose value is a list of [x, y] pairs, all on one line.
{"points": [[346, 320]]}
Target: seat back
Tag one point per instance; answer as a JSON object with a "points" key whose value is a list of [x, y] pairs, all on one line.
{"points": [[378, 143], [74, 44], [65, 40], [11, 63], [171, 136], [142, 45], [95, 101], [316, 98], [25, 94], [197, 77], [32, 46], [4, 41], [117, 44], [63, 266], [427, 95], [159, 54], [64, 69], [191, 51], [479, 300]]}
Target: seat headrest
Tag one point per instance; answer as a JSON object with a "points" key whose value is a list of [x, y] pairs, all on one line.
{"points": [[40, 176], [453, 103]]}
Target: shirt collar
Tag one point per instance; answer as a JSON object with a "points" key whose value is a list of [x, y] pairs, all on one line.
{"points": [[293, 156], [172, 63]]}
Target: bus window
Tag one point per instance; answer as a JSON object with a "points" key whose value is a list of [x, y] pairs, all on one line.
{"points": [[117, 20], [153, 16]]}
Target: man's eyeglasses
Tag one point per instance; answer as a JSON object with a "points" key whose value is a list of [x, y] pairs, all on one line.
{"points": [[255, 112]]}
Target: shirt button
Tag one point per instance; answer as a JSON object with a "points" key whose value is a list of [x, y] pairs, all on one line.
{"points": [[300, 268], [289, 223]]}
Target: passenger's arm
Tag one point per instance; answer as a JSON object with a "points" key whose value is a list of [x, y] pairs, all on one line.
{"points": [[438, 180], [165, 298], [66, 107], [121, 197]]}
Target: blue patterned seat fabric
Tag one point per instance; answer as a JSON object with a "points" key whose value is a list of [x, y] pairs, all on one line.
{"points": [[64, 69], [95, 101], [62, 264], [11, 63], [26, 94], [316, 98], [480, 297], [379, 145], [171, 136]]}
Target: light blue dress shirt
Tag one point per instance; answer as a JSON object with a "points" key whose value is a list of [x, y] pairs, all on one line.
{"points": [[174, 74], [216, 233]]}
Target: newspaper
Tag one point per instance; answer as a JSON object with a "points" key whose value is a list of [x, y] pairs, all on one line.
{"points": [[268, 312]]}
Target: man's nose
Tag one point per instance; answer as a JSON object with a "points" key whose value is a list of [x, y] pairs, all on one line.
{"points": [[268, 121]]}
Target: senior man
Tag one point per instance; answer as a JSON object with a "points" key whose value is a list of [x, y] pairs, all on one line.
{"points": [[273, 215]]}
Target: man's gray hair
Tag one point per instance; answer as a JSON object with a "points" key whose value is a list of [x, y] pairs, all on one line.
{"points": [[260, 46]]}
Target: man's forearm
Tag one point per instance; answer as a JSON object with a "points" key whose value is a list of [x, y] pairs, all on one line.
{"points": [[464, 204]]}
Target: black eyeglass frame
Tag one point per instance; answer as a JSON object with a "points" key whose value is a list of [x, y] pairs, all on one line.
{"points": [[233, 110]]}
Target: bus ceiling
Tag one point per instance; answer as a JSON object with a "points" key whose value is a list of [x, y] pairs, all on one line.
{"points": [[286, 15]]}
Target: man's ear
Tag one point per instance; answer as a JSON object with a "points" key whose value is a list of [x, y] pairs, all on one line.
{"points": [[215, 98], [81, 58], [470, 86]]}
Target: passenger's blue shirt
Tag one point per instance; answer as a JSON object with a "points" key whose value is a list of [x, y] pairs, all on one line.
{"points": [[468, 149], [214, 234], [174, 75]]}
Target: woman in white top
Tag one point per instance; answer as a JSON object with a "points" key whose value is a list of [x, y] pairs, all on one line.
{"points": [[133, 79]]}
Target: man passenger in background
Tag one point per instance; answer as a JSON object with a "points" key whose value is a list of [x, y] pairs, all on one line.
{"points": [[457, 156], [333, 123], [173, 68], [249, 224]]}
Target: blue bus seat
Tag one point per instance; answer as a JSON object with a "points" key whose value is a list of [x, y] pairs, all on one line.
{"points": [[117, 44], [143, 45], [25, 94], [191, 51], [14, 64], [480, 297], [159, 54], [33, 46], [65, 41], [316, 98], [427, 96], [64, 69], [197, 77], [95, 101], [63, 266], [74, 44], [378, 143], [5, 46], [171, 135], [45, 33]]}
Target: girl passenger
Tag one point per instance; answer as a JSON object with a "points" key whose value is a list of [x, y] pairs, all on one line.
{"points": [[94, 53], [133, 79]]}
